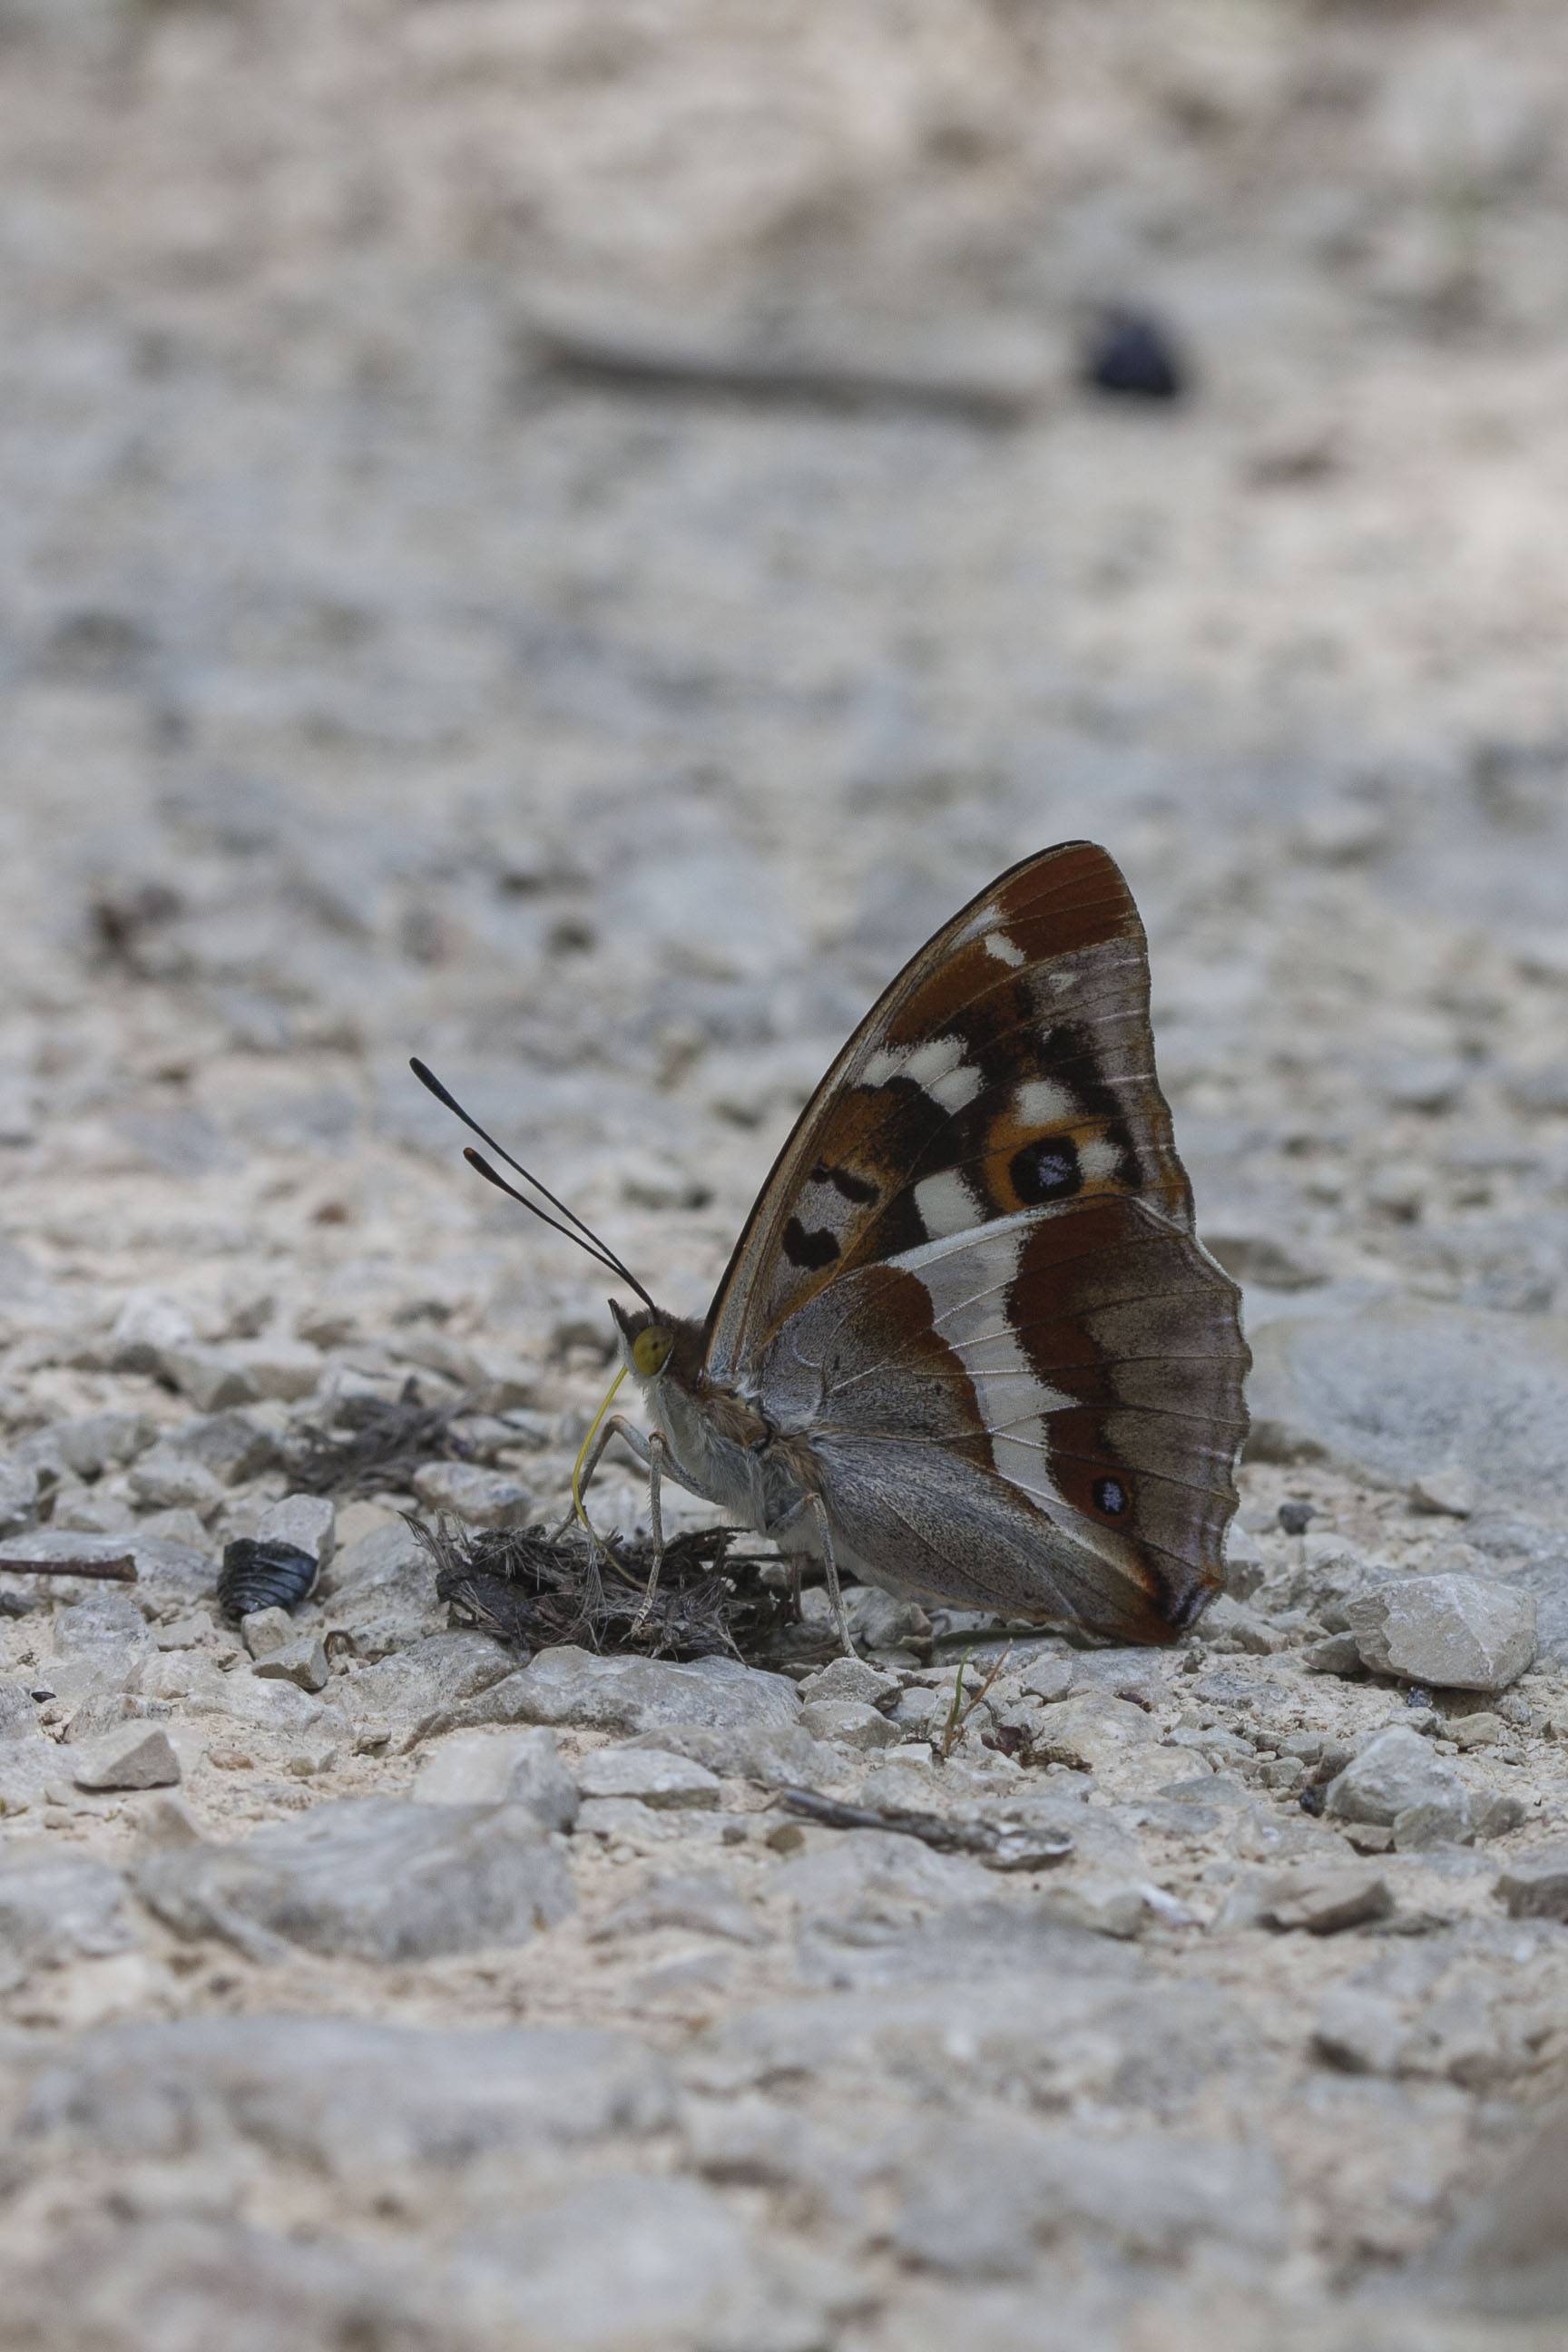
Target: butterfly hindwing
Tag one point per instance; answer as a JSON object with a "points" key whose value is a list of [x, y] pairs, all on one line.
{"points": [[1008, 1067], [1067, 1382]]}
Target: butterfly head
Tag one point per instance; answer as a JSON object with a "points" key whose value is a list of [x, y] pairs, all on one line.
{"points": [[651, 1342]]}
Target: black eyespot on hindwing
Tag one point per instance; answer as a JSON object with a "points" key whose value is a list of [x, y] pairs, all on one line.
{"points": [[1109, 1497], [808, 1250], [1047, 1171]]}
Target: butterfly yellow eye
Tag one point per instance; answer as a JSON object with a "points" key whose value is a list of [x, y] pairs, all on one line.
{"points": [[650, 1350]]}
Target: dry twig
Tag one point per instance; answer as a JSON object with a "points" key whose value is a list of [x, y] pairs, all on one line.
{"points": [[1001, 1846], [121, 1570]]}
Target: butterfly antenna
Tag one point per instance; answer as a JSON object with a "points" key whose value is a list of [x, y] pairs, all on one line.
{"points": [[584, 1236]]}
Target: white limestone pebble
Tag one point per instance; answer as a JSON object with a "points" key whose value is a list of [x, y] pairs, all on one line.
{"points": [[137, 1755], [1450, 1633], [651, 1775]]}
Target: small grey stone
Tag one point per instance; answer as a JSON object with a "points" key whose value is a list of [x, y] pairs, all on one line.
{"points": [[56, 1907], [1362, 2032], [167, 1480], [849, 1723], [625, 1819], [348, 2097], [1495, 1812], [1450, 1633], [231, 2285], [1339, 1655], [265, 1630], [631, 1695], [916, 1709], [1446, 1818], [101, 1642], [494, 1767], [629, 2259], [701, 1902], [165, 1821], [386, 1574], [1507, 2254], [145, 1326], [301, 1661], [89, 1511], [104, 1711], [980, 2202], [869, 1872], [1329, 1574], [373, 1877], [87, 1444], [480, 1498], [375, 1638], [275, 1367], [1449, 1492], [1243, 1570], [210, 1377], [1395, 1771], [881, 1621], [849, 1678], [1324, 1901], [168, 1565], [1088, 1731], [1229, 1626], [280, 1709], [19, 1712], [1062, 2008], [1535, 1886], [654, 1777], [420, 1688], [138, 1756], [1050, 1676], [234, 1446], [307, 1521], [18, 1496], [777, 1756]]}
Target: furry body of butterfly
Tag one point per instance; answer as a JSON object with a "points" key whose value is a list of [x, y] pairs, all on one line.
{"points": [[968, 1345]]}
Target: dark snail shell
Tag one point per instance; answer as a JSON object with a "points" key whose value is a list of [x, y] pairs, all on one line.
{"points": [[263, 1575]]}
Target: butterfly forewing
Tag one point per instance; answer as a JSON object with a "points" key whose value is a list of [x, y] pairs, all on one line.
{"points": [[1008, 1067]]}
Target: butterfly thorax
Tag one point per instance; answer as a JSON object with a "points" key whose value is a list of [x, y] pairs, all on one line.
{"points": [[720, 1443]]}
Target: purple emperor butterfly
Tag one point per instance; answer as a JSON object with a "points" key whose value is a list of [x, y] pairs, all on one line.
{"points": [[968, 1346]]}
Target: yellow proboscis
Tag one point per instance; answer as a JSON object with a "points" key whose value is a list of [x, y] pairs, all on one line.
{"points": [[582, 1455]]}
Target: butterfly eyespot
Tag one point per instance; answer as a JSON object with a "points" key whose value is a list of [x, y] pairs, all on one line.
{"points": [[1051, 1170], [650, 1350], [1109, 1497]]}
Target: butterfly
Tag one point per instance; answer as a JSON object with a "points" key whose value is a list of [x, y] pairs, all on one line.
{"points": [[968, 1346]]}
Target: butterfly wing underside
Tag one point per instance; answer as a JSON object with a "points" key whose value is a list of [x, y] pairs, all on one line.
{"points": [[1009, 1066], [971, 1280]]}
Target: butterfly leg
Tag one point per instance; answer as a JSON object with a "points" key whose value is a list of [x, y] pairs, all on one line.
{"points": [[656, 1451], [812, 1507], [614, 1427]]}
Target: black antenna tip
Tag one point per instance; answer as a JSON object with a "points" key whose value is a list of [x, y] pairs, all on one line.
{"points": [[427, 1077]]}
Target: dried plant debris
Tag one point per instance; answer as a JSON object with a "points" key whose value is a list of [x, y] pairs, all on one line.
{"points": [[534, 1590], [382, 1446]]}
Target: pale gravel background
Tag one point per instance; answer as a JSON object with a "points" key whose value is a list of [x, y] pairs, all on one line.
{"points": [[611, 750]]}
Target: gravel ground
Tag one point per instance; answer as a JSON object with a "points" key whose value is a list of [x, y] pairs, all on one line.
{"points": [[565, 542]]}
